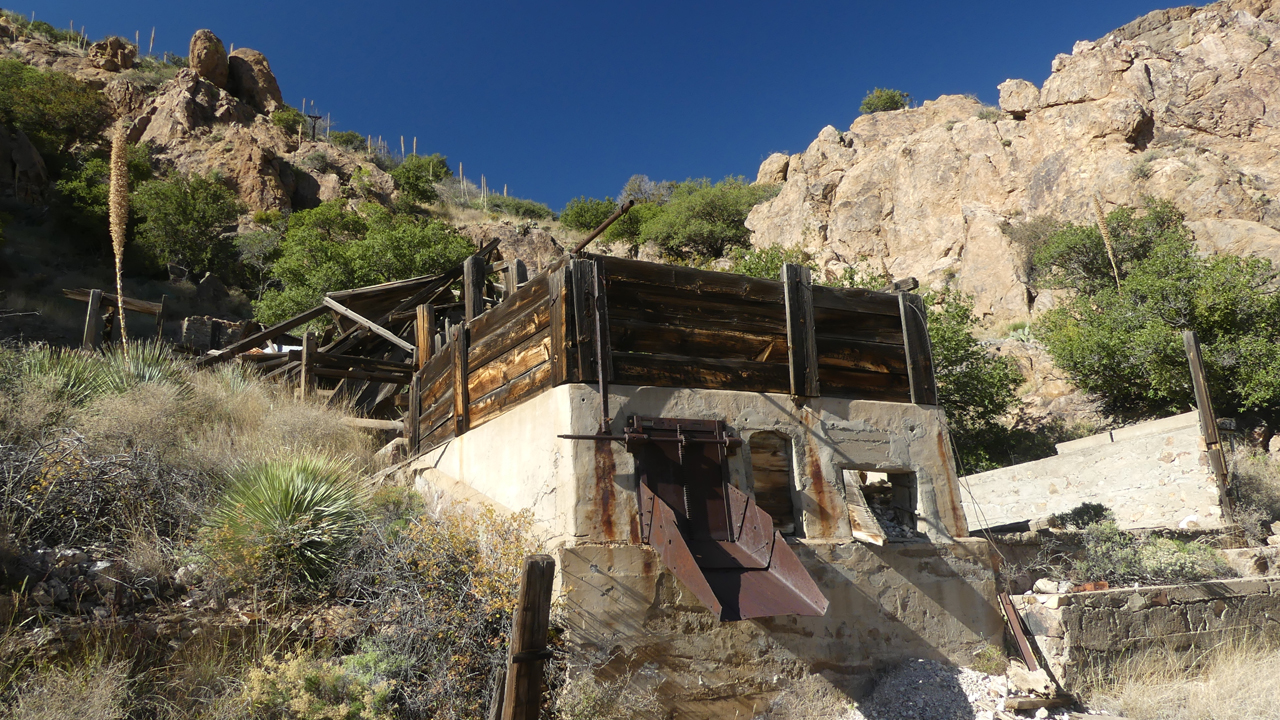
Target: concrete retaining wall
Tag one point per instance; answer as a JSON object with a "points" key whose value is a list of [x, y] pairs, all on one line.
{"points": [[1155, 474], [1079, 630]]}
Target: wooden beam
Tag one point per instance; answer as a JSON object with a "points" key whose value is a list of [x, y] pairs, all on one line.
{"points": [[461, 398], [307, 378], [915, 336], [258, 339], [557, 283], [425, 329], [528, 650], [382, 332], [1208, 419], [109, 300], [514, 275], [802, 346], [583, 318], [413, 415], [93, 321], [473, 279], [369, 424]]}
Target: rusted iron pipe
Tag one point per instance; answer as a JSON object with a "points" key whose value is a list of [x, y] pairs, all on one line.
{"points": [[605, 225]]}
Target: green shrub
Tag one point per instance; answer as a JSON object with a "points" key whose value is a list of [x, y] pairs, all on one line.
{"points": [[703, 219], [882, 99], [85, 185], [55, 110], [643, 190], [1084, 515], [767, 262], [317, 161], [285, 525], [304, 687], [988, 113], [626, 229], [349, 140], [331, 248], [185, 218], [288, 119], [1120, 558], [586, 214], [417, 175], [516, 207]]}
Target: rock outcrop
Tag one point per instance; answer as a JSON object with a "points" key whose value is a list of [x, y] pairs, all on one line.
{"points": [[1182, 104], [250, 79], [113, 54], [208, 57]]}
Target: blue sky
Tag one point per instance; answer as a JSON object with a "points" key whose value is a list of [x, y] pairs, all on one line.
{"points": [[567, 99]]}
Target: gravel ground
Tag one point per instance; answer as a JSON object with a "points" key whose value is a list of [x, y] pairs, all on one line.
{"points": [[928, 690]]}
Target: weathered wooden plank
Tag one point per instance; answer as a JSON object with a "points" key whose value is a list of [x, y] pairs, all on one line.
{"points": [[93, 321], [410, 426], [660, 305], [363, 375], [435, 384], [505, 368], [439, 411], [601, 302], [461, 400], [473, 279], [915, 334], [700, 282], [307, 376], [802, 349], [557, 294], [109, 300], [519, 389], [382, 332], [356, 361], [439, 434], [683, 371], [771, 478], [867, 327], [532, 618], [258, 339], [424, 329], [372, 424], [858, 355], [584, 326], [1204, 404], [283, 370], [855, 300], [518, 304], [500, 340], [160, 319], [647, 337], [863, 385]]}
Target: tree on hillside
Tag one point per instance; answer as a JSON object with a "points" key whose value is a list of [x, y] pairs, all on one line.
{"points": [[84, 188], [586, 214], [54, 109], [703, 219], [417, 176], [331, 248], [1124, 345], [185, 218]]}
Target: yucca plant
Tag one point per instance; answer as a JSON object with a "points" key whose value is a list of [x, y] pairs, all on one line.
{"points": [[285, 523], [79, 376]]}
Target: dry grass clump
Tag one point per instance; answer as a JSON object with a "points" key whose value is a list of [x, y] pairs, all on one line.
{"points": [[1255, 482], [1236, 680], [94, 691]]}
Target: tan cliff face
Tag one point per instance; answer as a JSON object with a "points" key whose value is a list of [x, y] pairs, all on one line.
{"points": [[1182, 104]]}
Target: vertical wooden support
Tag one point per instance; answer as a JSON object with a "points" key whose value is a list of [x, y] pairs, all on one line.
{"points": [[584, 325], [426, 330], [93, 322], [160, 322], [306, 375], [413, 416], [802, 344], [523, 696], [1208, 419], [515, 274], [461, 393], [558, 282], [915, 337], [601, 304], [473, 279]]}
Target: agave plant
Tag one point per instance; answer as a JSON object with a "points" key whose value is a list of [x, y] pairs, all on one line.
{"points": [[81, 375], [286, 520]]}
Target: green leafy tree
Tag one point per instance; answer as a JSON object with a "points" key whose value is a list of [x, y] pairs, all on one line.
{"points": [[882, 99], [185, 218], [417, 176], [586, 214], [626, 229], [85, 185], [643, 190], [1124, 345], [703, 219], [767, 262], [348, 140], [331, 248], [288, 119], [54, 109]]}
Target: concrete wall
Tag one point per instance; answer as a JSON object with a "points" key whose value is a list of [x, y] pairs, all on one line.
{"points": [[1079, 630], [1154, 474]]}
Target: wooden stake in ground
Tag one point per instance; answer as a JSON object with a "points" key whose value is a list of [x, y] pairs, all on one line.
{"points": [[119, 214], [1106, 239]]}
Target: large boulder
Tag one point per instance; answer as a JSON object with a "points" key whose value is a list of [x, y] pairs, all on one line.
{"points": [[23, 176], [250, 79], [208, 57], [773, 170], [184, 106], [113, 54]]}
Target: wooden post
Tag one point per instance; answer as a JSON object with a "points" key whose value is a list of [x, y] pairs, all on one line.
{"points": [[523, 696], [915, 338], [426, 330], [557, 282], [93, 322], [413, 417], [1208, 420], [473, 278], [461, 391], [802, 343], [160, 319], [306, 374], [514, 274], [584, 326]]}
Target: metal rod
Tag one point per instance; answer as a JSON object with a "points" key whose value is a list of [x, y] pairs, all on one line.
{"points": [[604, 225]]}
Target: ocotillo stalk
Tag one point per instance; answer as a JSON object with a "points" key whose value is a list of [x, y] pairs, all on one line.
{"points": [[119, 215], [151, 45], [1106, 240]]}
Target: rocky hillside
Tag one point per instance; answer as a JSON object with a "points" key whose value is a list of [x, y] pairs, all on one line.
{"points": [[1182, 104]]}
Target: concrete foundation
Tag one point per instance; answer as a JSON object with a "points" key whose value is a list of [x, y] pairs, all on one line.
{"points": [[929, 596]]}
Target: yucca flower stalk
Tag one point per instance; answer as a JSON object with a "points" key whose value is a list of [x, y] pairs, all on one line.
{"points": [[1106, 240], [119, 208]]}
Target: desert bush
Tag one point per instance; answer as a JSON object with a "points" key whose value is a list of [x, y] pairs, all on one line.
{"points": [[185, 218], [283, 526], [93, 690], [882, 99], [417, 176], [581, 695], [1120, 558], [1084, 515], [988, 113], [1255, 485], [767, 262], [515, 207], [442, 586], [626, 229], [349, 140], [288, 119], [317, 161], [77, 376], [304, 687], [703, 219], [586, 214], [54, 109], [643, 190]]}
